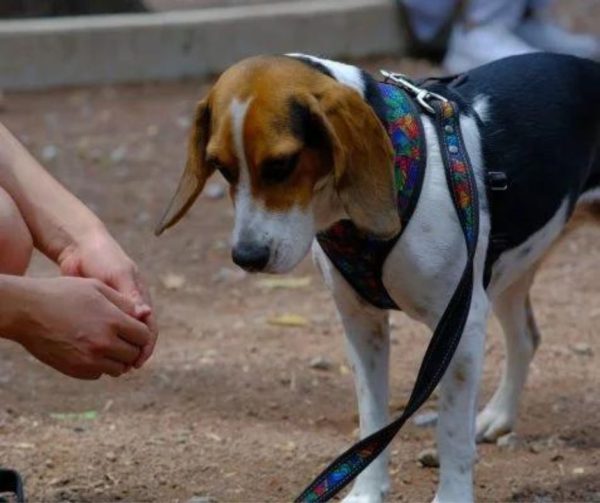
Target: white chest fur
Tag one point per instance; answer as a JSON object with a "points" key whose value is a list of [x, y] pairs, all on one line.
{"points": [[424, 267]]}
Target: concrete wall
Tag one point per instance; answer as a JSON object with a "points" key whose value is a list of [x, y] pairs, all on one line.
{"points": [[103, 49]]}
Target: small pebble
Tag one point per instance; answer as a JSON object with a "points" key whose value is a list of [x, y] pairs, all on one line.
{"points": [[429, 458], [152, 130], [509, 441], [426, 419], [59, 481], [536, 447], [214, 191], [172, 281], [118, 154], [49, 153], [320, 363], [582, 349], [226, 275], [201, 499], [143, 217], [183, 122], [111, 456]]}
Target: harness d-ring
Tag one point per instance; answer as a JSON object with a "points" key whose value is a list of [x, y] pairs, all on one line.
{"points": [[423, 96]]}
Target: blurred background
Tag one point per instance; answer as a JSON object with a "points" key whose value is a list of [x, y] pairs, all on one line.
{"points": [[249, 393]]}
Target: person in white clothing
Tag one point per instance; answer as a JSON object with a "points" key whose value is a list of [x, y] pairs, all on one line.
{"points": [[492, 29]]}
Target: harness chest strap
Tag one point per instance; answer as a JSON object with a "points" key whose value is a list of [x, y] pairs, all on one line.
{"points": [[447, 334]]}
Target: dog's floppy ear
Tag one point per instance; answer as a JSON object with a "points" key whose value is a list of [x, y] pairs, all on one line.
{"points": [[363, 159], [196, 171]]}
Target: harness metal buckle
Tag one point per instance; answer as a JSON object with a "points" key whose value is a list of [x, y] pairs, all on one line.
{"points": [[498, 181], [423, 96]]}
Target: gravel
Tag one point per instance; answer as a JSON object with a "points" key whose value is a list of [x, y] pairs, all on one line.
{"points": [[428, 458]]}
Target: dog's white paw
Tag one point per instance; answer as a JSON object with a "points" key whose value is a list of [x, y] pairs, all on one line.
{"points": [[364, 497], [460, 497], [492, 423], [371, 493]]}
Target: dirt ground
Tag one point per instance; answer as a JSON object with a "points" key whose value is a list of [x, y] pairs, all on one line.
{"points": [[230, 407]]}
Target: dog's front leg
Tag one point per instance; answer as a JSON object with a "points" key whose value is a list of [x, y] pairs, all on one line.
{"points": [[458, 407], [367, 346]]}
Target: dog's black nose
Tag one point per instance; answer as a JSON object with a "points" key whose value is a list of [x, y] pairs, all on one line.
{"points": [[250, 256]]}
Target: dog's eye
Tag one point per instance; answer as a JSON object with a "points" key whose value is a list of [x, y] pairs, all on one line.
{"points": [[278, 170]]}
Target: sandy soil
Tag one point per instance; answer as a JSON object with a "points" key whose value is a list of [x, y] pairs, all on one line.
{"points": [[230, 408]]}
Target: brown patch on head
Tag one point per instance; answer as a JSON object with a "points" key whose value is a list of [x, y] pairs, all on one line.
{"points": [[286, 157], [300, 127]]}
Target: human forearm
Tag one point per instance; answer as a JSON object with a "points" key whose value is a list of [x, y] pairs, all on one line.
{"points": [[56, 218], [69, 233]]}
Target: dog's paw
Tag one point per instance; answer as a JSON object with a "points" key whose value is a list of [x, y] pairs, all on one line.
{"points": [[492, 424], [367, 493], [364, 497], [462, 497]]}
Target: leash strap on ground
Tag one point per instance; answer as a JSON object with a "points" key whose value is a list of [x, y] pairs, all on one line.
{"points": [[447, 334], [10, 482]]}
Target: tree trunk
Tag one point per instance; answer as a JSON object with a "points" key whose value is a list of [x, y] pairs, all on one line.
{"points": [[45, 8]]}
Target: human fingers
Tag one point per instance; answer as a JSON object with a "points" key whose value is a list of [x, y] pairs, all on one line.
{"points": [[120, 350], [129, 282], [133, 331], [111, 367], [123, 302]]}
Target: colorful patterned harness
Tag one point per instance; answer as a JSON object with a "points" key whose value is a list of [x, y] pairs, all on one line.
{"points": [[360, 259], [358, 256]]}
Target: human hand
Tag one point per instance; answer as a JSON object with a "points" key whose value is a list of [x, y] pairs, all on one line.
{"points": [[81, 327], [97, 255]]}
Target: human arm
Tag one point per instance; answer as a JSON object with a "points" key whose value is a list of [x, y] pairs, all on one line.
{"points": [[66, 231]]}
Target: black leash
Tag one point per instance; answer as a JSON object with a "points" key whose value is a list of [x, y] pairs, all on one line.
{"points": [[447, 334], [10, 482]]}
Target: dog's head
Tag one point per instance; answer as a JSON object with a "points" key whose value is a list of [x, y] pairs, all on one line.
{"points": [[299, 149]]}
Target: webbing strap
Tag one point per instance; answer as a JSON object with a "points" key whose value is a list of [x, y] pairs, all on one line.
{"points": [[447, 334]]}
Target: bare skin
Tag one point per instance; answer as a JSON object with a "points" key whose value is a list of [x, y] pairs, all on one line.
{"points": [[97, 319]]}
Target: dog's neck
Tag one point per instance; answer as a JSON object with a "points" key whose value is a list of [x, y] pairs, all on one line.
{"points": [[349, 75]]}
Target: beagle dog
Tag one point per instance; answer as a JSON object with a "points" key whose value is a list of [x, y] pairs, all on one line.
{"points": [[302, 147]]}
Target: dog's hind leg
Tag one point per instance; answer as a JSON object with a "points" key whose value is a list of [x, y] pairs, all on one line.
{"points": [[367, 346], [514, 311]]}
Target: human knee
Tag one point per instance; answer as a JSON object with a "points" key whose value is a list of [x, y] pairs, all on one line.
{"points": [[16, 243]]}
